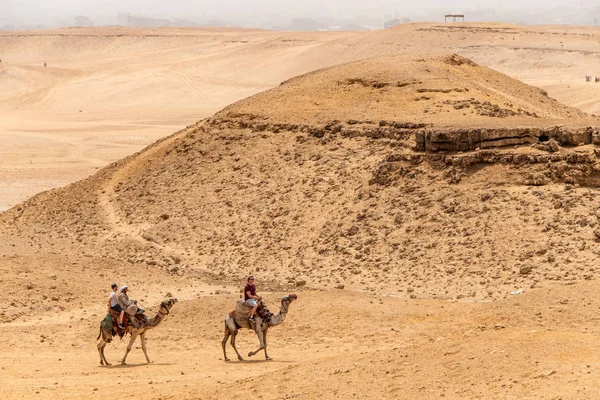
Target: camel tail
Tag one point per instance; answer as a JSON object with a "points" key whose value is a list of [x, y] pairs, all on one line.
{"points": [[100, 334]]}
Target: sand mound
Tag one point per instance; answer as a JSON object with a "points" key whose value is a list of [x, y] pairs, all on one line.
{"points": [[442, 91]]}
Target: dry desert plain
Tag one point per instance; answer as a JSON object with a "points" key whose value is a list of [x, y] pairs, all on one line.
{"points": [[396, 192]]}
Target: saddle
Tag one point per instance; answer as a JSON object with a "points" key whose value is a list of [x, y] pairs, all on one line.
{"points": [[137, 320], [263, 312], [115, 330], [241, 312]]}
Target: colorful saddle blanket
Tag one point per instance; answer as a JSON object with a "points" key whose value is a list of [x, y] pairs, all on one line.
{"points": [[242, 311]]}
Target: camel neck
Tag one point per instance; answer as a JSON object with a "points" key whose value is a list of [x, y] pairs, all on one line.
{"points": [[279, 318], [156, 320], [284, 308]]}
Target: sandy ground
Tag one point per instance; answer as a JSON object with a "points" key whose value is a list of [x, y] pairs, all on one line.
{"points": [[540, 345], [109, 92]]}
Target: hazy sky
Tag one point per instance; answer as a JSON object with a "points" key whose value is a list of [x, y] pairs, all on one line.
{"points": [[240, 10]]}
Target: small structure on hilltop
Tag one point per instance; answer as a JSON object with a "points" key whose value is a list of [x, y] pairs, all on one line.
{"points": [[82, 21], [454, 17], [390, 23]]}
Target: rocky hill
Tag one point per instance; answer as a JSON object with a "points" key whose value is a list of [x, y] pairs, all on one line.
{"points": [[426, 176]]}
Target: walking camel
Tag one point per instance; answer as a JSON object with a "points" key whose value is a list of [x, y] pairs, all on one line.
{"points": [[232, 325], [106, 335]]}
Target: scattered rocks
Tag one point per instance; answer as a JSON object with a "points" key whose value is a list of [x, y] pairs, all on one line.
{"points": [[546, 374], [352, 231], [550, 146], [525, 270]]}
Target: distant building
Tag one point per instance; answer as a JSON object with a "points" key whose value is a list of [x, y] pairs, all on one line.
{"points": [[123, 19], [183, 23], [82, 21], [454, 17], [141, 22], [354, 26], [307, 24], [395, 22]]}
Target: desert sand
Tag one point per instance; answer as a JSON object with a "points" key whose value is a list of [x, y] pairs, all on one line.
{"points": [[430, 196]]}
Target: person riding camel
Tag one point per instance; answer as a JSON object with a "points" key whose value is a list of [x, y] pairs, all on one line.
{"points": [[250, 296], [130, 306], [113, 304]]}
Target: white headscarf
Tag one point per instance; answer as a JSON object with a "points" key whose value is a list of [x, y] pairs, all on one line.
{"points": [[123, 288]]}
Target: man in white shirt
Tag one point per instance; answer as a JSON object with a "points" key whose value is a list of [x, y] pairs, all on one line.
{"points": [[113, 304]]}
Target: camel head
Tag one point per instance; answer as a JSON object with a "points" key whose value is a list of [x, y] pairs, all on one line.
{"points": [[167, 305], [289, 298]]}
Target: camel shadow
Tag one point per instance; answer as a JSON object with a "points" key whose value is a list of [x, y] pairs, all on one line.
{"points": [[117, 366], [258, 361]]}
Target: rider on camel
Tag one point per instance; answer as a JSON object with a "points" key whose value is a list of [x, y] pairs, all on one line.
{"points": [[250, 296], [113, 304], [130, 306]]}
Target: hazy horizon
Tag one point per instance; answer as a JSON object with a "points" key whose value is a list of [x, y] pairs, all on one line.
{"points": [[279, 13]]}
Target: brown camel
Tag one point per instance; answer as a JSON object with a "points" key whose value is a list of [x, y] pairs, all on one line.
{"points": [[232, 325], [140, 331]]}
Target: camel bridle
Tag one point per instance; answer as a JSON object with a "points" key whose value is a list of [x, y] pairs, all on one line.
{"points": [[163, 305]]}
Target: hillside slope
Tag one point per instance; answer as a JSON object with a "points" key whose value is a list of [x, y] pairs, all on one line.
{"points": [[342, 195]]}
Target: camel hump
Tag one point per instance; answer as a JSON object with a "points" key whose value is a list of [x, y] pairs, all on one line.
{"points": [[242, 309], [241, 312]]}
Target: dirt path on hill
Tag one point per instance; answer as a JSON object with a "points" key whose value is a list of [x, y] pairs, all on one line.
{"points": [[107, 196]]}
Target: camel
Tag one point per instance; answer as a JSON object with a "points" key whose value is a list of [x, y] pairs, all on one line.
{"points": [[232, 326], [140, 331]]}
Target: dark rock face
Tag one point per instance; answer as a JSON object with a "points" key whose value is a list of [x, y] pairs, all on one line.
{"points": [[470, 139]]}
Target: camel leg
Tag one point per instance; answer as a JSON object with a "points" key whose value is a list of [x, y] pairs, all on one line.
{"points": [[265, 344], [129, 346], [101, 351], [103, 356], [261, 341], [143, 339], [224, 343], [101, 346], [233, 336]]}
